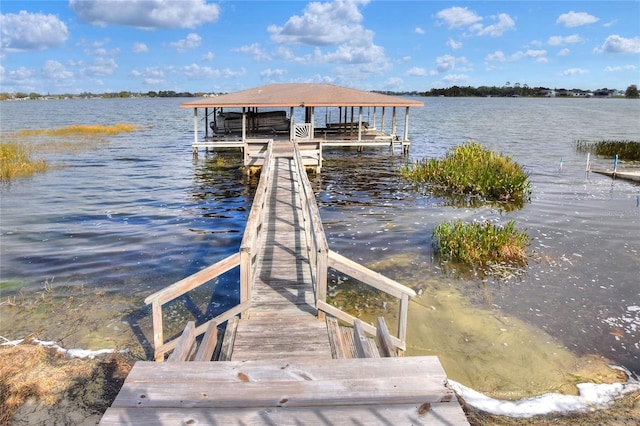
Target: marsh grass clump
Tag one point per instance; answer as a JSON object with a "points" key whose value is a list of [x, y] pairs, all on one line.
{"points": [[81, 129], [626, 150], [481, 244], [474, 170], [16, 161]]}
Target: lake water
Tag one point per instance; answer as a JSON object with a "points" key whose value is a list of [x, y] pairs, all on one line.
{"points": [[138, 213]]}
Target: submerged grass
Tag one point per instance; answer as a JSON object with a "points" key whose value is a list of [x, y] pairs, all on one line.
{"points": [[626, 150], [16, 161], [81, 129], [16, 148], [481, 244], [474, 170]]}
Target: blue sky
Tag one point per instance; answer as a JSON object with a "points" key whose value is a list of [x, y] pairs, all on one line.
{"points": [[99, 46]]}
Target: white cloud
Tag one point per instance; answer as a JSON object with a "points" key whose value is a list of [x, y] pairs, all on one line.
{"points": [[140, 48], [559, 40], [463, 18], [54, 70], [209, 56], [31, 31], [539, 55], [146, 13], [417, 72], [100, 67], [324, 24], [458, 17], [273, 73], [448, 62], [564, 52], [338, 24], [419, 30], [452, 44], [505, 23], [195, 71], [620, 68], [150, 76], [497, 56], [193, 41], [453, 80], [576, 19], [617, 44], [574, 71], [255, 50]]}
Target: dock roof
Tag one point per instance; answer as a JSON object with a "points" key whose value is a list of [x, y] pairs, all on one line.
{"points": [[301, 95]]}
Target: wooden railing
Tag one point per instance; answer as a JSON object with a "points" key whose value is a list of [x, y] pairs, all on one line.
{"points": [[253, 232], [167, 294], [245, 259], [321, 258]]}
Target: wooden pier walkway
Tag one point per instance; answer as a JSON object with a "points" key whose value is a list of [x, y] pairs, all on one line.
{"points": [[283, 320], [278, 366]]}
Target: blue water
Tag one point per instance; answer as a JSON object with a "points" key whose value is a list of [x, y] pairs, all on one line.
{"points": [[140, 213]]}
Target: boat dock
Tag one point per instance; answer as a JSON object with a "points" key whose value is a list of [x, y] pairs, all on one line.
{"points": [[284, 355]]}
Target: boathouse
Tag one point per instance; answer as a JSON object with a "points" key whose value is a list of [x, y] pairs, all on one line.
{"points": [[326, 114]]}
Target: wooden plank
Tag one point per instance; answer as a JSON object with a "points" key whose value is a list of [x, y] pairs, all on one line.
{"points": [[185, 343], [427, 367], [338, 350], [438, 414], [375, 390], [208, 344], [362, 345], [387, 349], [228, 339]]}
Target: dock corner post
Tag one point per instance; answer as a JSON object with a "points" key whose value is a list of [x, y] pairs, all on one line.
{"points": [[245, 278], [406, 126], [158, 337]]}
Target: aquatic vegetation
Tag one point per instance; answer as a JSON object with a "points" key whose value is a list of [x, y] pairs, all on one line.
{"points": [[474, 170], [81, 129], [16, 161], [481, 244], [624, 149]]}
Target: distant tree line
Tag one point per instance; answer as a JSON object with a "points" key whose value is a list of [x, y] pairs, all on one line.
{"points": [[508, 90], [108, 95]]}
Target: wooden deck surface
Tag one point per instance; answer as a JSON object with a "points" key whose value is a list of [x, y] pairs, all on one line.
{"points": [[282, 321], [375, 391]]}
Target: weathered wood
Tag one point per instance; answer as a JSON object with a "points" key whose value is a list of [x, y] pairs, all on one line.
{"points": [[385, 343], [220, 319], [228, 339], [362, 344], [208, 343], [437, 414], [343, 316], [338, 346], [362, 273], [181, 287], [286, 383], [185, 344]]}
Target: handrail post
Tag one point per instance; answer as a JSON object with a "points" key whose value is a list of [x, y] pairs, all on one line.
{"points": [[158, 337], [402, 318], [245, 278], [322, 260]]}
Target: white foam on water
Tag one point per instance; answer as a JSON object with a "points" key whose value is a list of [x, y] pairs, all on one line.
{"points": [[71, 353], [591, 397]]}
